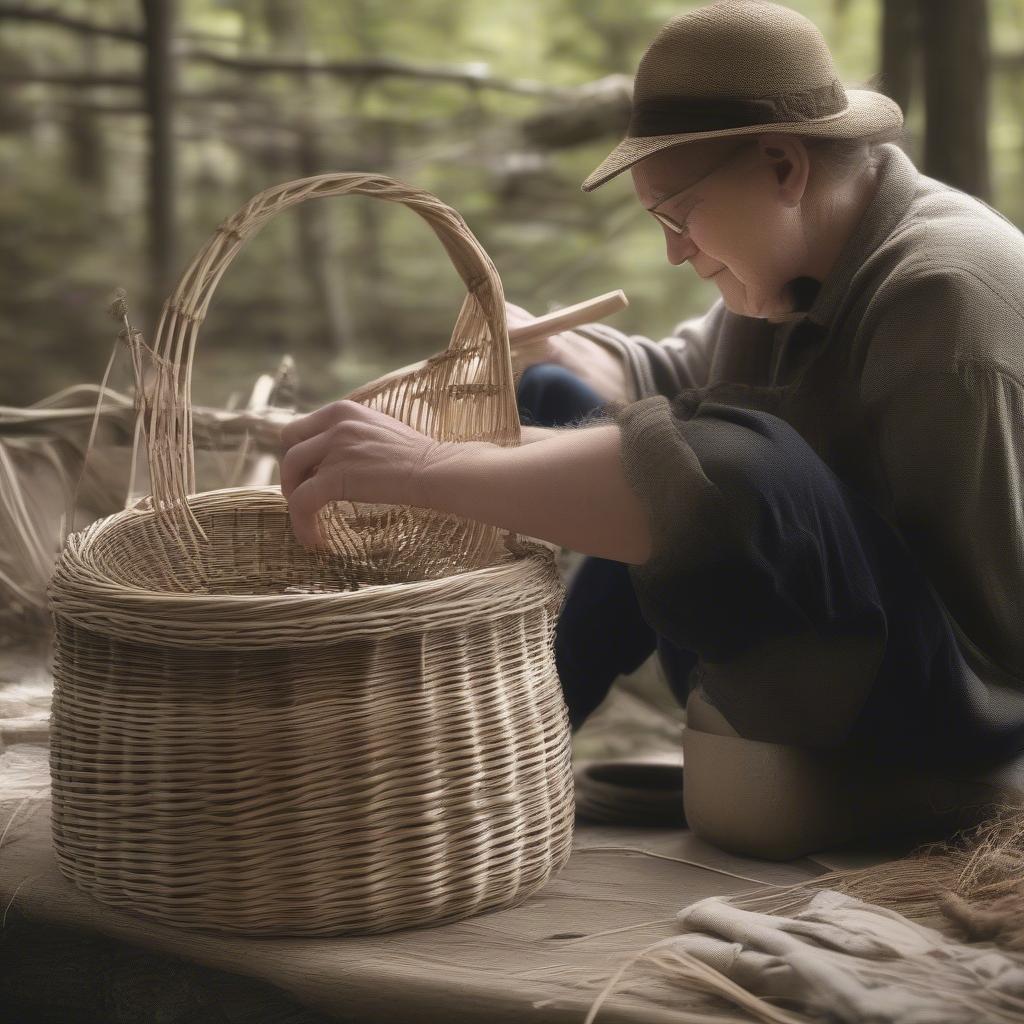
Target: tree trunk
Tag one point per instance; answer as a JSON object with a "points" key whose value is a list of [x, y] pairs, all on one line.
{"points": [[86, 157], [901, 51], [316, 249], [956, 74], [376, 155], [286, 22], [159, 83]]}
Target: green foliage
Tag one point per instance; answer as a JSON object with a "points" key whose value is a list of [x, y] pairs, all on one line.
{"points": [[66, 242], [59, 259]]}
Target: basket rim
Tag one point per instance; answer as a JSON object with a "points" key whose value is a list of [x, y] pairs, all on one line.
{"points": [[81, 594]]}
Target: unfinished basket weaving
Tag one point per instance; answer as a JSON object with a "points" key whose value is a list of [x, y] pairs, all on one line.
{"points": [[256, 738]]}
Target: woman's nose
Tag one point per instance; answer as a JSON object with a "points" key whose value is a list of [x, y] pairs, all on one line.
{"points": [[678, 248]]}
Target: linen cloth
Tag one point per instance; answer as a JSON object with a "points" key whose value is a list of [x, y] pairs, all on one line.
{"points": [[850, 961]]}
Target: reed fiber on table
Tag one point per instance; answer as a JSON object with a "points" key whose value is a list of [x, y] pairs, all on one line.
{"points": [[256, 738]]}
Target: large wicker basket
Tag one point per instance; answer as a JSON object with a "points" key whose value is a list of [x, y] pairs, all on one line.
{"points": [[256, 738]]}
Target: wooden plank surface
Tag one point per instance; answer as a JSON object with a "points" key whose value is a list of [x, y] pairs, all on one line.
{"points": [[510, 965], [545, 960]]}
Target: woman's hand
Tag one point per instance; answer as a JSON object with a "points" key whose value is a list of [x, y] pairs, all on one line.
{"points": [[594, 364], [348, 452]]}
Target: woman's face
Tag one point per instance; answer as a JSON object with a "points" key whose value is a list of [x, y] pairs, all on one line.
{"points": [[739, 205]]}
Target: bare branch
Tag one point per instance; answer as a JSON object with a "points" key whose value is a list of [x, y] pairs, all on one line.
{"points": [[1008, 60], [588, 112], [377, 67], [356, 70], [77, 79], [49, 16]]}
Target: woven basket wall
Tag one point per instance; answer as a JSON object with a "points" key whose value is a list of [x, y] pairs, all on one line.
{"points": [[256, 738]]}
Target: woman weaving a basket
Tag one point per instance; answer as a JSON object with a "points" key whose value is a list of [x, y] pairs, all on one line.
{"points": [[808, 501]]}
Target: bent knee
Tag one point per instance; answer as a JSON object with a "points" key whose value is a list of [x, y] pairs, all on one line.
{"points": [[551, 395], [747, 450], [543, 375]]}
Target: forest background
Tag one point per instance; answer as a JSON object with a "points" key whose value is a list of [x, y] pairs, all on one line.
{"points": [[130, 130]]}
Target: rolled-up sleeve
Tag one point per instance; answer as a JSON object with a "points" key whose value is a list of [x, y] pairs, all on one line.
{"points": [[709, 549]]}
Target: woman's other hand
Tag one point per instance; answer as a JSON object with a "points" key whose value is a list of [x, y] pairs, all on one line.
{"points": [[348, 452], [594, 364]]}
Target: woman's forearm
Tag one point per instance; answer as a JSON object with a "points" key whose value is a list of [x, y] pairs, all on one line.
{"points": [[569, 489]]}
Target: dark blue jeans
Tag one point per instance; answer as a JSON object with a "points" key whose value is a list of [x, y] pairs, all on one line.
{"points": [[925, 703], [601, 632]]}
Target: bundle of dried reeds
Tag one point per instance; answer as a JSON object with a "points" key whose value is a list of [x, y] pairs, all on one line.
{"points": [[68, 460], [974, 881]]}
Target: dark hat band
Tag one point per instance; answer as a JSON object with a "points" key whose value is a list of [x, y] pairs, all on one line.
{"points": [[682, 115]]}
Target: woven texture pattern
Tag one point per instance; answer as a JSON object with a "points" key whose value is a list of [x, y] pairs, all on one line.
{"points": [[257, 738]]}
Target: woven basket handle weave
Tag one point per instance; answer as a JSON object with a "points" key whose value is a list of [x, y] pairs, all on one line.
{"points": [[465, 393]]}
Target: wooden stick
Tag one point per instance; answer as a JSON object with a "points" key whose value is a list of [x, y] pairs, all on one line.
{"points": [[571, 316], [550, 323]]}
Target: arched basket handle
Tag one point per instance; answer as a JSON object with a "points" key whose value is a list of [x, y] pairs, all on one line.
{"points": [[465, 393]]}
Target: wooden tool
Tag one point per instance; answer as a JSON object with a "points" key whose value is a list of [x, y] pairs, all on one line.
{"points": [[550, 323], [571, 316]]}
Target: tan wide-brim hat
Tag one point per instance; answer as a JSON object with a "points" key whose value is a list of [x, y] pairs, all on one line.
{"points": [[741, 67]]}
